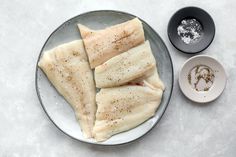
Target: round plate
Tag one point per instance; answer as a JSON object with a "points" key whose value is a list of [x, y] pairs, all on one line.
{"points": [[60, 112], [205, 20], [218, 83]]}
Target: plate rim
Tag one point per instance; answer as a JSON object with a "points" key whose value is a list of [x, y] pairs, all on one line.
{"points": [[37, 88]]}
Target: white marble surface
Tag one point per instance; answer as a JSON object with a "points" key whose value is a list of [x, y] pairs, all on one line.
{"points": [[186, 129]]}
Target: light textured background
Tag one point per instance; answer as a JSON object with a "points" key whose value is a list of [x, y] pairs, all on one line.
{"points": [[186, 129]]}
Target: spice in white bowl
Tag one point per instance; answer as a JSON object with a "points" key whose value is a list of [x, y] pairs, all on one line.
{"points": [[201, 77]]}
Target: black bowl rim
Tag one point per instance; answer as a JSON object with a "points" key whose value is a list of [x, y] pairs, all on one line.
{"points": [[214, 30], [38, 93]]}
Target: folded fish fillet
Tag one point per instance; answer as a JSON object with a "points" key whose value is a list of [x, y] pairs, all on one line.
{"points": [[102, 45], [67, 67], [151, 79], [123, 108], [155, 80], [125, 67]]}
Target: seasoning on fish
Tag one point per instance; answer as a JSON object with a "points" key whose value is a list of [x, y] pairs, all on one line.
{"points": [[101, 45], [67, 67]]}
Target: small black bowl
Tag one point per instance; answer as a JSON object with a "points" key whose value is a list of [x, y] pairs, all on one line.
{"points": [[207, 35]]}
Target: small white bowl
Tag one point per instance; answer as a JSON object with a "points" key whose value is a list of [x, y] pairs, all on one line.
{"points": [[218, 84]]}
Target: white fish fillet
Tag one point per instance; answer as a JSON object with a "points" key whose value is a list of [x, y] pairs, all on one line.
{"points": [[151, 79], [155, 80], [123, 108], [102, 45], [125, 67], [67, 67]]}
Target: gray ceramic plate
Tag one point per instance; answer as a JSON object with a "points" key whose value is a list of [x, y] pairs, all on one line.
{"points": [[57, 109]]}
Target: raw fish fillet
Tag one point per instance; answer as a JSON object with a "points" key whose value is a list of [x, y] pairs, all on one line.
{"points": [[67, 67], [123, 68], [123, 108], [151, 79], [102, 45]]}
